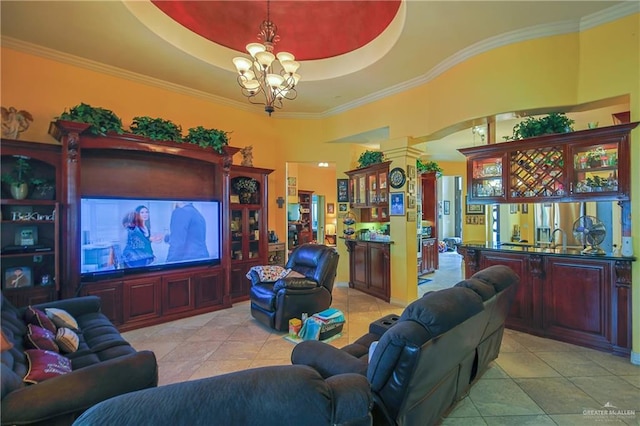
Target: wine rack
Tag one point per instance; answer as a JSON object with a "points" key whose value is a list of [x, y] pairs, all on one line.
{"points": [[537, 173]]}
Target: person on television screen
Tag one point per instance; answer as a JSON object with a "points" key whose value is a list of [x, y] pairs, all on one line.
{"points": [[187, 231], [137, 252], [143, 211]]}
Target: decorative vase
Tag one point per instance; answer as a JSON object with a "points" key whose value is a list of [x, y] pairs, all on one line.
{"points": [[19, 191], [245, 197]]}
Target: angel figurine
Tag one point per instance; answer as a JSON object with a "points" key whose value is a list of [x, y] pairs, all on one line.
{"points": [[247, 156], [14, 122]]}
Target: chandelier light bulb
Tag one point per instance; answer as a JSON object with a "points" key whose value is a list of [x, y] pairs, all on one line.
{"points": [[290, 67], [296, 79], [285, 56], [274, 80], [255, 48], [242, 64], [265, 59]]}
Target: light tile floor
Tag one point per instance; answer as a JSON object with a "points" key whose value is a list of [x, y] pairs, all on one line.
{"points": [[534, 381]]}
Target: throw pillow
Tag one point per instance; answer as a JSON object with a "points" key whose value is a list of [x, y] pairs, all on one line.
{"points": [[40, 338], [62, 318], [67, 340], [37, 317], [45, 365]]}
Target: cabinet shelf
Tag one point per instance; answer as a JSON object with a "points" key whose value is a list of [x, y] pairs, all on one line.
{"points": [[41, 268]]}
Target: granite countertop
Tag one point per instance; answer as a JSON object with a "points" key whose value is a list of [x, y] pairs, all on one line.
{"points": [[367, 240], [531, 249]]}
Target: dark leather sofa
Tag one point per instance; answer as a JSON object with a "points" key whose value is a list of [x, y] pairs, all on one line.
{"points": [[275, 303], [427, 358], [104, 365], [276, 395]]}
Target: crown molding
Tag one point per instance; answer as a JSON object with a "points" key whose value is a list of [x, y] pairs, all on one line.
{"points": [[558, 28], [539, 31]]}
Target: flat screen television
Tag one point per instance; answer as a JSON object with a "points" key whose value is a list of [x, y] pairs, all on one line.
{"points": [[121, 235]]}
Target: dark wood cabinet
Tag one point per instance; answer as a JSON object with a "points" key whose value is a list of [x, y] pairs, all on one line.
{"points": [[429, 259], [369, 268], [369, 191], [581, 300], [129, 166], [591, 164], [30, 241]]}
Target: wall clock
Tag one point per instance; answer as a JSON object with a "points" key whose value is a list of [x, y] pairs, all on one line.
{"points": [[397, 178]]}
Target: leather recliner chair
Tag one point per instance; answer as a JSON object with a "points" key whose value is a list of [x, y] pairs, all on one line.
{"points": [[274, 303]]}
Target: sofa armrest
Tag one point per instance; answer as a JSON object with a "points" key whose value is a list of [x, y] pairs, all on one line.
{"points": [[294, 283], [326, 359], [76, 391], [76, 306], [285, 394]]}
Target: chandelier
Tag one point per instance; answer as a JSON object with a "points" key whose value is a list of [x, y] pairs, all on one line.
{"points": [[266, 79]]}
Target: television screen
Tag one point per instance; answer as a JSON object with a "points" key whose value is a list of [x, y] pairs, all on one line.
{"points": [[293, 212], [136, 234]]}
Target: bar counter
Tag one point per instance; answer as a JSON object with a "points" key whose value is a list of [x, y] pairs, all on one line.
{"points": [[563, 294]]}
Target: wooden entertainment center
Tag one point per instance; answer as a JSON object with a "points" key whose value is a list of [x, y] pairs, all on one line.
{"points": [[135, 167]]}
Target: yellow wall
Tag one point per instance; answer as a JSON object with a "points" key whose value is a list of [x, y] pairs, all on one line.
{"points": [[569, 69]]}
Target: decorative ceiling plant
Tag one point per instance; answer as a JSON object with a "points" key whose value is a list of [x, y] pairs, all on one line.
{"points": [[556, 122], [156, 129], [368, 158], [205, 138], [101, 120]]}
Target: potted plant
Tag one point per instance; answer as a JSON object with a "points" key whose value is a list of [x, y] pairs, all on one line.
{"points": [[156, 129], [556, 122], [368, 158], [597, 157], [429, 166], [205, 138], [245, 187], [18, 179], [43, 189], [101, 120]]}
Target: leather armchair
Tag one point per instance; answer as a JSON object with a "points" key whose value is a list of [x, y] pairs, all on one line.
{"points": [[275, 303]]}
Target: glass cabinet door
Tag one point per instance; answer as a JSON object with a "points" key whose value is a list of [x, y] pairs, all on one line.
{"points": [[382, 187], [487, 178], [372, 189], [254, 233], [595, 168], [236, 224]]}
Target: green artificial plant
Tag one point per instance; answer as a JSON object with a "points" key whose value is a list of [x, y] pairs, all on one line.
{"points": [[156, 129], [214, 138], [101, 120], [368, 158], [428, 166], [556, 122]]}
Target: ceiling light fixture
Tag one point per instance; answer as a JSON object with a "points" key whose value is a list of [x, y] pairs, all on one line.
{"points": [[321, 164], [259, 80]]}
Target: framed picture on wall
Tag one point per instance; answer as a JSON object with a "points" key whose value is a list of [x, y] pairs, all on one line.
{"points": [[331, 208], [343, 190], [397, 204], [474, 208], [292, 181], [292, 190]]}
